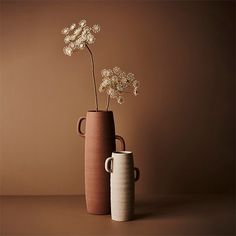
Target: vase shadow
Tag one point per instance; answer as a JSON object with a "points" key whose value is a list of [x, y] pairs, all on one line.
{"points": [[161, 207]]}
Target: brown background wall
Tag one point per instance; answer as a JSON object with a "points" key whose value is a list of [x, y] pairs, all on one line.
{"points": [[180, 128]]}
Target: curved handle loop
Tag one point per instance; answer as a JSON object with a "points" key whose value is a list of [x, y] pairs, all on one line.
{"points": [[137, 174], [107, 168], [79, 126], [122, 141]]}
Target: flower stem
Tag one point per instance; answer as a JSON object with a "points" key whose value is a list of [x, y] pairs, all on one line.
{"points": [[94, 81], [108, 102]]}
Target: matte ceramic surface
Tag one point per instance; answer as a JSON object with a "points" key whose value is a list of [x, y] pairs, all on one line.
{"points": [[99, 144], [123, 175]]}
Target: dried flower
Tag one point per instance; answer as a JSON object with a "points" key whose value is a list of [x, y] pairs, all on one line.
{"points": [[120, 100], [81, 46], [96, 28], [90, 39], [72, 45], [80, 37], [130, 77], [77, 31], [104, 72], [72, 37], [109, 72], [82, 23], [115, 83], [67, 50], [136, 84], [102, 88], [116, 70], [65, 31], [67, 39], [72, 26], [136, 92]]}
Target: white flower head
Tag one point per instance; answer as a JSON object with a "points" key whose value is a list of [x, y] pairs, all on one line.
{"points": [[86, 30], [106, 82], [77, 31], [96, 28], [109, 72], [67, 51], [65, 31], [130, 77], [136, 93], [115, 78], [82, 23], [72, 45], [120, 100], [72, 26], [81, 46], [117, 70], [72, 37], [67, 39], [119, 87], [116, 83], [90, 38], [101, 88], [78, 36], [110, 91], [104, 72], [136, 84]]}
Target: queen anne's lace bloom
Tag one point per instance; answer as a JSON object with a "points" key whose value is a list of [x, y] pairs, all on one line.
{"points": [[116, 70], [72, 26], [120, 100], [136, 83], [65, 31], [81, 46], [67, 50], [115, 82], [72, 45], [67, 39], [77, 37], [82, 23], [77, 31], [90, 38], [96, 28], [136, 91]]}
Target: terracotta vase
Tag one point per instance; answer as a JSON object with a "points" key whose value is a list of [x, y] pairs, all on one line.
{"points": [[99, 144], [123, 176]]}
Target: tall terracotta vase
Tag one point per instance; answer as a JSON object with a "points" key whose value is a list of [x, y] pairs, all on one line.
{"points": [[99, 144]]}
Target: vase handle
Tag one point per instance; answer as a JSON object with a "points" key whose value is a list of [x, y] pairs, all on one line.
{"points": [[79, 126], [137, 174], [122, 141], [108, 160]]}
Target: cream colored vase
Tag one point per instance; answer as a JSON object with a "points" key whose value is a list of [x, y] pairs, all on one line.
{"points": [[122, 178]]}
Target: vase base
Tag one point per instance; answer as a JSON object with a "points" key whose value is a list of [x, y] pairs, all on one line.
{"points": [[98, 213]]}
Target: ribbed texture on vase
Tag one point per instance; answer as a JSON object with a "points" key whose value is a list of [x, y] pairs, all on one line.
{"points": [[99, 144], [122, 188]]}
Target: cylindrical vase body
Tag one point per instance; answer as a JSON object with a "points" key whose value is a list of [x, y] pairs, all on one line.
{"points": [[99, 143], [122, 178]]}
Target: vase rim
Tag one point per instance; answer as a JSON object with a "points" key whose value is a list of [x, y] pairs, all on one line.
{"points": [[122, 152], [102, 111]]}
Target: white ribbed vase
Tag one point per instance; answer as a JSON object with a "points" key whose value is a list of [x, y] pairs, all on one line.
{"points": [[123, 175]]}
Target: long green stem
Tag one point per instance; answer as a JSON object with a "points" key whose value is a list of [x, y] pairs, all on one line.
{"points": [[94, 80]]}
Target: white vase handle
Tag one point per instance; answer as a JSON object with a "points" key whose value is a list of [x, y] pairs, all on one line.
{"points": [[108, 167]]}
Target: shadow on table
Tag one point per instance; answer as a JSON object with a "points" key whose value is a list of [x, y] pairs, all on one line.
{"points": [[161, 207]]}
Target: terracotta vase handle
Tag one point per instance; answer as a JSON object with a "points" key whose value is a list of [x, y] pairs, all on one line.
{"points": [[122, 141], [137, 174], [79, 126], [108, 160]]}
